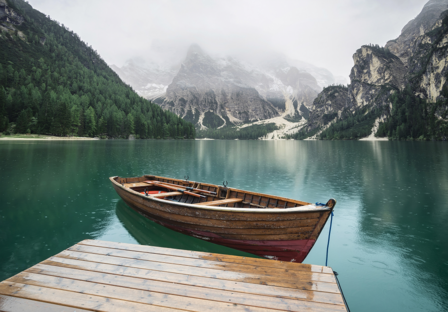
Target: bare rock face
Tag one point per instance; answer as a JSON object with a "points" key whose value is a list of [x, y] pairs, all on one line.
{"points": [[238, 92], [376, 72], [417, 60], [204, 85], [428, 65], [8, 17], [329, 104], [402, 46], [225, 90]]}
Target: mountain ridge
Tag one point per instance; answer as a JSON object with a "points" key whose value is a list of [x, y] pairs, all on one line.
{"points": [[234, 91], [399, 91]]}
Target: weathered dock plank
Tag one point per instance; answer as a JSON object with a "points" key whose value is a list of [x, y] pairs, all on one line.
{"points": [[105, 276]]}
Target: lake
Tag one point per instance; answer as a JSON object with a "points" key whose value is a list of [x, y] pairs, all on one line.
{"points": [[389, 241]]}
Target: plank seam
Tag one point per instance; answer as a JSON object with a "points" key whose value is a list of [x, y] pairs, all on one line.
{"points": [[37, 300], [170, 294], [189, 285], [242, 265], [87, 294], [176, 264], [214, 278], [262, 264]]}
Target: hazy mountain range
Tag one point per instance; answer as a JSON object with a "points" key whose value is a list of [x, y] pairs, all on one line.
{"points": [[229, 88]]}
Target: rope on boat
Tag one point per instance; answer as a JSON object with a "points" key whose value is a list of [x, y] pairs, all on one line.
{"points": [[329, 234]]}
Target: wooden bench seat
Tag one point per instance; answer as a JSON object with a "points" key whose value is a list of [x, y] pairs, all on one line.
{"points": [[220, 202], [161, 195], [137, 184]]}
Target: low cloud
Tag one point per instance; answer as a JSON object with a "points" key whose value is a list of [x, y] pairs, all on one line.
{"points": [[325, 33]]}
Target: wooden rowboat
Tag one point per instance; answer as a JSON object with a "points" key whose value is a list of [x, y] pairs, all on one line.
{"points": [[268, 226]]}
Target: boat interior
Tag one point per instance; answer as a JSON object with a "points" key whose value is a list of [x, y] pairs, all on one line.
{"points": [[197, 193]]}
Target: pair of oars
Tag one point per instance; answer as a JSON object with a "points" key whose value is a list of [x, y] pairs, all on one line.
{"points": [[186, 190]]}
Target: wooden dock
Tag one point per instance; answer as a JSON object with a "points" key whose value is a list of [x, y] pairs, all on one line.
{"points": [[104, 276]]}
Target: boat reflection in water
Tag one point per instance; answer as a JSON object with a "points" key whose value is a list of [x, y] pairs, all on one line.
{"points": [[147, 232]]}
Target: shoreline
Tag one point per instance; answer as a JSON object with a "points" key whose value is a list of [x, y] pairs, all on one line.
{"points": [[49, 138]]}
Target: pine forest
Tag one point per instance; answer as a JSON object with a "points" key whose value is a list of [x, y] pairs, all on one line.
{"points": [[51, 82]]}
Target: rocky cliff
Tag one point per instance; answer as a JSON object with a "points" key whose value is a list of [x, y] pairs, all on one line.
{"points": [[403, 45], [228, 90], [328, 105], [428, 64], [8, 17], [376, 73], [204, 85], [401, 85]]}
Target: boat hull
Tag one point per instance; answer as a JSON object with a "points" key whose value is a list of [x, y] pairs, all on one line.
{"points": [[291, 251], [285, 236]]}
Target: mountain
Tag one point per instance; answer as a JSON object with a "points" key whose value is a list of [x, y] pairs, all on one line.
{"points": [[399, 91], [51, 82], [150, 76], [214, 92], [403, 45], [151, 80]]}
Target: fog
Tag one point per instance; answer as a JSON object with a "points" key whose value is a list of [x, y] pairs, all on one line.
{"points": [[325, 33]]}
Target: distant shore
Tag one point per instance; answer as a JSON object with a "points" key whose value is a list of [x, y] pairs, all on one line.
{"points": [[43, 138]]}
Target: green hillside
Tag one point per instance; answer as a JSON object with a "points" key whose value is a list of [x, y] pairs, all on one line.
{"points": [[51, 82]]}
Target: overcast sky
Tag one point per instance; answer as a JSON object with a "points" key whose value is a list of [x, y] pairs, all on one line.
{"points": [[325, 33]]}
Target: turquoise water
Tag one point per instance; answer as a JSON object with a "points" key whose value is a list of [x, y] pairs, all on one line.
{"points": [[389, 238]]}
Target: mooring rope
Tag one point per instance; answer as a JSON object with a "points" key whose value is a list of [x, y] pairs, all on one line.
{"points": [[329, 234], [326, 259]]}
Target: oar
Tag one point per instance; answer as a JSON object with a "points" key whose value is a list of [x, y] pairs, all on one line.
{"points": [[175, 188], [186, 187]]}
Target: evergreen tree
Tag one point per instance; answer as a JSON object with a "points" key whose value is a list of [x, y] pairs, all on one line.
{"points": [[10, 74], [2, 75], [57, 125], [66, 119], [16, 79], [90, 124], [102, 126], [22, 123], [75, 119], [129, 126], [2, 109], [166, 131]]}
